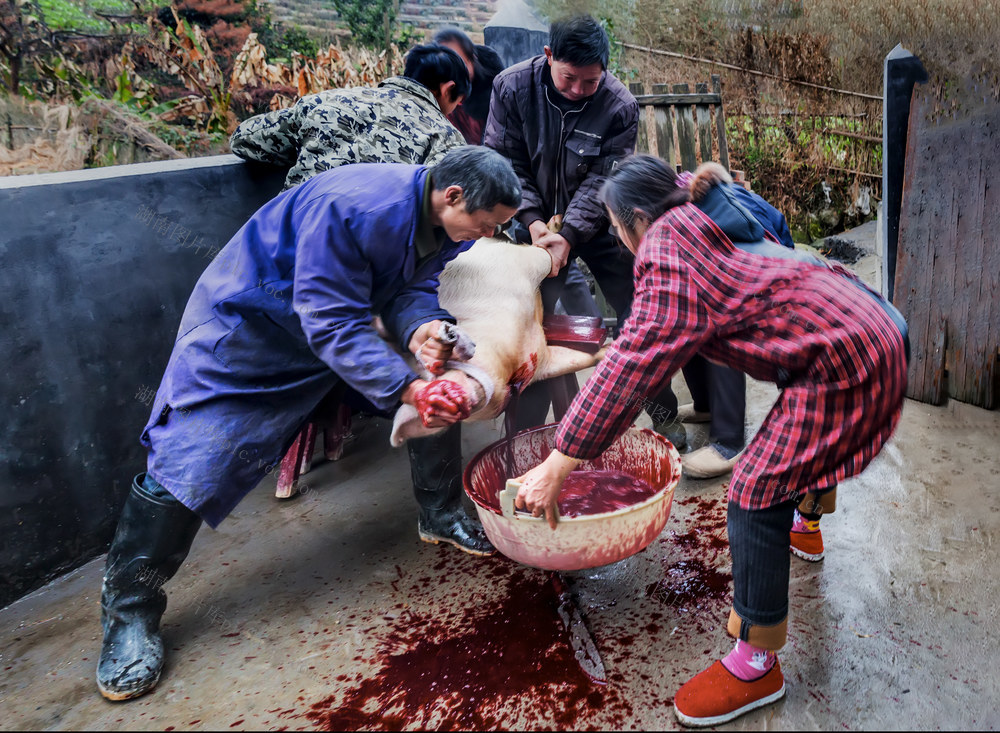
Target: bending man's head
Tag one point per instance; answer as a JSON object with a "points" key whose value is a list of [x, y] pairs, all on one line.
{"points": [[578, 54], [475, 190], [442, 71]]}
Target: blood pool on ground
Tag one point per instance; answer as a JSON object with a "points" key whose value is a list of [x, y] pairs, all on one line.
{"points": [[594, 492]]}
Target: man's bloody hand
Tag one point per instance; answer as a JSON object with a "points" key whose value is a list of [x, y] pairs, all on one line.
{"points": [[444, 400]]}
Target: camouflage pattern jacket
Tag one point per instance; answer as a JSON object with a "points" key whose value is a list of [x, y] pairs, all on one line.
{"points": [[397, 122]]}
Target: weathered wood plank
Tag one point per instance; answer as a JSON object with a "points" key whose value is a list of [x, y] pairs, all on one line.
{"points": [[642, 138], [970, 353], [913, 292], [720, 122], [704, 119], [664, 97], [948, 263], [663, 123], [685, 132]]}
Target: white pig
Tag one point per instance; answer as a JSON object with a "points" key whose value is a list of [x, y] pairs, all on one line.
{"points": [[492, 290]]}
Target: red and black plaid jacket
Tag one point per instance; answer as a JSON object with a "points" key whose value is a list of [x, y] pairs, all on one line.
{"points": [[812, 329]]}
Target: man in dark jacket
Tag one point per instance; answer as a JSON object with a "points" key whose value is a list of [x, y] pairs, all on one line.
{"points": [[564, 122]]}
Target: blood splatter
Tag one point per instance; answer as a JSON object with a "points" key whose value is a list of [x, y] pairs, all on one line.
{"points": [[481, 667], [700, 583]]}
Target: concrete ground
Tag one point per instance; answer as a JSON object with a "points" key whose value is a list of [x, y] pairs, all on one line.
{"points": [[327, 612]]}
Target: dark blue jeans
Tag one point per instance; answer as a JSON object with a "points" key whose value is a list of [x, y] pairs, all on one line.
{"points": [[758, 542]]}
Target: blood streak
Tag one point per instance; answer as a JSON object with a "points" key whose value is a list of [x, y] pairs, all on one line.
{"points": [[594, 492], [523, 374]]}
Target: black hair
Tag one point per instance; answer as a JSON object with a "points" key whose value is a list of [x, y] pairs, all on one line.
{"points": [[486, 178], [642, 184], [488, 65], [454, 35], [580, 41], [433, 65]]}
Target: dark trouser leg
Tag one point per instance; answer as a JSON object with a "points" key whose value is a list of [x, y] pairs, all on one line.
{"points": [[436, 468], [611, 265], [696, 376], [153, 537], [533, 403], [728, 403], [758, 542], [576, 298]]}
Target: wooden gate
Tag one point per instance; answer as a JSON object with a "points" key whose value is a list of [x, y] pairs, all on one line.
{"points": [[948, 261], [681, 127]]}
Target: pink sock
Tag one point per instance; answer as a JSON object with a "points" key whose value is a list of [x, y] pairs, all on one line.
{"points": [[749, 662]]}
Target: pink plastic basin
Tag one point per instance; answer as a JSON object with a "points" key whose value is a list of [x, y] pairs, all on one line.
{"points": [[576, 542]]}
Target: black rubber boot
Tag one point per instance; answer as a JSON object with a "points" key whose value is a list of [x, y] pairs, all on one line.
{"points": [[456, 527], [154, 535], [436, 467]]}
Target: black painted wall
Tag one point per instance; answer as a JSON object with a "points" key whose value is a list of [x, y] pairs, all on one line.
{"points": [[95, 270]]}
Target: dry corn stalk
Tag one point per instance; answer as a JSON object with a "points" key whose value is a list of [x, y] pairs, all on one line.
{"points": [[331, 69]]}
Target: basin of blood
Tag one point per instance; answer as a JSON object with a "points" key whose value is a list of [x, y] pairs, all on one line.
{"points": [[595, 492]]}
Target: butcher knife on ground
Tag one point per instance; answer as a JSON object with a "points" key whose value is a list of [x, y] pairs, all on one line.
{"points": [[580, 640]]}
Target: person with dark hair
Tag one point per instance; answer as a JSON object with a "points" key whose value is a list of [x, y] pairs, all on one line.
{"points": [[565, 123], [708, 281], [453, 38], [402, 120], [580, 41], [470, 116], [280, 317], [439, 68]]}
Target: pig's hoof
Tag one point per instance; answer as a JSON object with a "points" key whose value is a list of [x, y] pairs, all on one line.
{"points": [[455, 527]]}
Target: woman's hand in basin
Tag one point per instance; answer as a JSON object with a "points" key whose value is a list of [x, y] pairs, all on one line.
{"points": [[540, 487]]}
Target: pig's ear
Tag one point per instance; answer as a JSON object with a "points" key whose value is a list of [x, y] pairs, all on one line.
{"points": [[562, 361], [406, 424]]}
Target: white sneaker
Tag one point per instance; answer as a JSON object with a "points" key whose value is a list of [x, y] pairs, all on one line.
{"points": [[707, 462], [687, 413]]}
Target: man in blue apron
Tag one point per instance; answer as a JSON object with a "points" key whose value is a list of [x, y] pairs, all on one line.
{"points": [[279, 318]]}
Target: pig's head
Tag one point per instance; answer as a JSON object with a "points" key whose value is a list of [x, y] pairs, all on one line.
{"points": [[407, 424]]}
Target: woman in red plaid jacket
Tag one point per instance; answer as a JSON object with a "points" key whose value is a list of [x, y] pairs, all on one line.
{"points": [[835, 348]]}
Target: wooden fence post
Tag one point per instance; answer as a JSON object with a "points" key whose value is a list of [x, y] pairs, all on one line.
{"points": [[664, 125], [720, 121], [642, 139], [686, 132]]}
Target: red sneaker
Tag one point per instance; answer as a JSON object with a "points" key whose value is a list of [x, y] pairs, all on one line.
{"points": [[717, 696], [806, 540]]}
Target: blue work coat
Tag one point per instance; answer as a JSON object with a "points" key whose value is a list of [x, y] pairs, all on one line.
{"points": [[283, 314]]}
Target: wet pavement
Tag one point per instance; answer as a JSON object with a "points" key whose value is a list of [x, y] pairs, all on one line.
{"points": [[327, 612]]}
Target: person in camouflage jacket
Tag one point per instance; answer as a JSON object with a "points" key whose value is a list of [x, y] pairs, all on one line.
{"points": [[403, 120]]}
